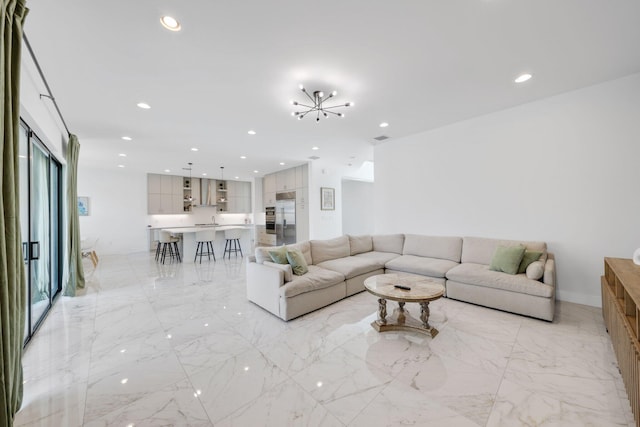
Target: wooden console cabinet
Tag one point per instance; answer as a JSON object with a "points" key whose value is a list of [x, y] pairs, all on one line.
{"points": [[621, 311]]}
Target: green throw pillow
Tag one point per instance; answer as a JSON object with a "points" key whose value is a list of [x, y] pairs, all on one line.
{"points": [[528, 258], [297, 261], [279, 256], [507, 259]]}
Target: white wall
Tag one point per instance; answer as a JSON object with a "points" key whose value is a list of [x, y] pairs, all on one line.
{"points": [[357, 207], [324, 224], [565, 170], [118, 208]]}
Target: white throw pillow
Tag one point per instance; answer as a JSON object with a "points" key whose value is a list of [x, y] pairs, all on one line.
{"points": [[535, 270]]}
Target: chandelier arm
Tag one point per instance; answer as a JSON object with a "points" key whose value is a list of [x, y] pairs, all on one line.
{"points": [[306, 106], [309, 96], [335, 106], [327, 97], [331, 112]]}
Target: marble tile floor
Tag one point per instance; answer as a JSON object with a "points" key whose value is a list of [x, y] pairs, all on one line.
{"points": [[179, 344]]}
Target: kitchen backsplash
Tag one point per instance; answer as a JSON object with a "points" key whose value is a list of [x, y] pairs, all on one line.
{"points": [[200, 215]]}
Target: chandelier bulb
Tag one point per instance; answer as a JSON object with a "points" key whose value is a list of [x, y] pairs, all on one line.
{"points": [[334, 93], [321, 94], [341, 114], [299, 117], [301, 86], [348, 104], [317, 119], [325, 114]]}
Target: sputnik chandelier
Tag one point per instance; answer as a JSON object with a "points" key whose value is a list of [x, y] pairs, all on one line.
{"points": [[318, 106]]}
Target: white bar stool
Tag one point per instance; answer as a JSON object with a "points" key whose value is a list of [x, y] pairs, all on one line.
{"points": [[169, 242], [205, 240], [232, 244]]}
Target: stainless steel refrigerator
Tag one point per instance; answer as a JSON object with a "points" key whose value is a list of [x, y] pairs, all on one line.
{"points": [[285, 218]]}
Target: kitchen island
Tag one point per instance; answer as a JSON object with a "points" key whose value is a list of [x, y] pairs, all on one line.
{"points": [[188, 249]]}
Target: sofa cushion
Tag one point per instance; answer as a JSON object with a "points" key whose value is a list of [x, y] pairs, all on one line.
{"points": [[535, 270], [480, 250], [297, 262], [433, 246], [433, 267], [380, 259], [528, 258], [316, 278], [507, 259], [360, 244], [279, 256], [480, 275], [388, 243], [325, 250], [262, 254], [351, 266], [305, 248], [286, 268]]}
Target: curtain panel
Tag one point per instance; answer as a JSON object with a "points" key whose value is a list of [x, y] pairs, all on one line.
{"points": [[76, 271], [12, 273]]}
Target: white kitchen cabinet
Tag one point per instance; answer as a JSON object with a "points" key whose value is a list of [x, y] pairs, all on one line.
{"points": [[238, 197], [302, 214], [165, 194], [302, 176], [286, 180], [269, 184], [269, 199], [153, 183]]}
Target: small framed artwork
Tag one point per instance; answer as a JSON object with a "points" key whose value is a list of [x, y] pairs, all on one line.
{"points": [[327, 199], [83, 206]]}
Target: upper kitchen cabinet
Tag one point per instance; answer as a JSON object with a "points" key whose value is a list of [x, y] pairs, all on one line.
{"points": [[302, 176], [164, 194], [286, 180], [238, 197], [269, 183]]}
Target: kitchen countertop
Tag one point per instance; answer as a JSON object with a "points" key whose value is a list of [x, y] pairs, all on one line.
{"points": [[195, 229], [202, 226]]}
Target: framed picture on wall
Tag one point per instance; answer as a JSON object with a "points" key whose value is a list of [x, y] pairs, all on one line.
{"points": [[327, 199], [83, 206]]}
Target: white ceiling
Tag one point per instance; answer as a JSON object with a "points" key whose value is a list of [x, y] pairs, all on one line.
{"points": [[417, 64]]}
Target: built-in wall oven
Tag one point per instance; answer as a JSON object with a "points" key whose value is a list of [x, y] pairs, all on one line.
{"points": [[270, 219]]}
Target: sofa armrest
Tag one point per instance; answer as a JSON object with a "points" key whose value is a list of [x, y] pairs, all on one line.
{"points": [[549, 277], [263, 286]]}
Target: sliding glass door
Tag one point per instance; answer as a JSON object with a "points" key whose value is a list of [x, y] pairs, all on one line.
{"points": [[40, 210]]}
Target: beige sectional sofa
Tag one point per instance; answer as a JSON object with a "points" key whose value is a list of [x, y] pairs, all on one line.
{"points": [[338, 268]]}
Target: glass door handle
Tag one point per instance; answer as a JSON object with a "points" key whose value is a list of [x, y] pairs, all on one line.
{"points": [[34, 250], [25, 251]]}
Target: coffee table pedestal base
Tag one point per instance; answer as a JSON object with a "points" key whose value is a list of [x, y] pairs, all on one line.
{"points": [[401, 320]]}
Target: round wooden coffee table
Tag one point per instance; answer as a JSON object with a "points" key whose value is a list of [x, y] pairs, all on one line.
{"points": [[389, 287]]}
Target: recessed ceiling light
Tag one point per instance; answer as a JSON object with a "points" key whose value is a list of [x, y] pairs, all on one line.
{"points": [[243, 157], [144, 105], [315, 148], [194, 149], [384, 124], [127, 138], [170, 23], [204, 174], [523, 78], [281, 163], [237, 177], [167, 170], [122, 155], [252, 132], [255, 171], [120, 166]]}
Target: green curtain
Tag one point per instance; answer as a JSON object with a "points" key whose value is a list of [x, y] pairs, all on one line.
{"points": [[76, 272], [12, 274]]}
